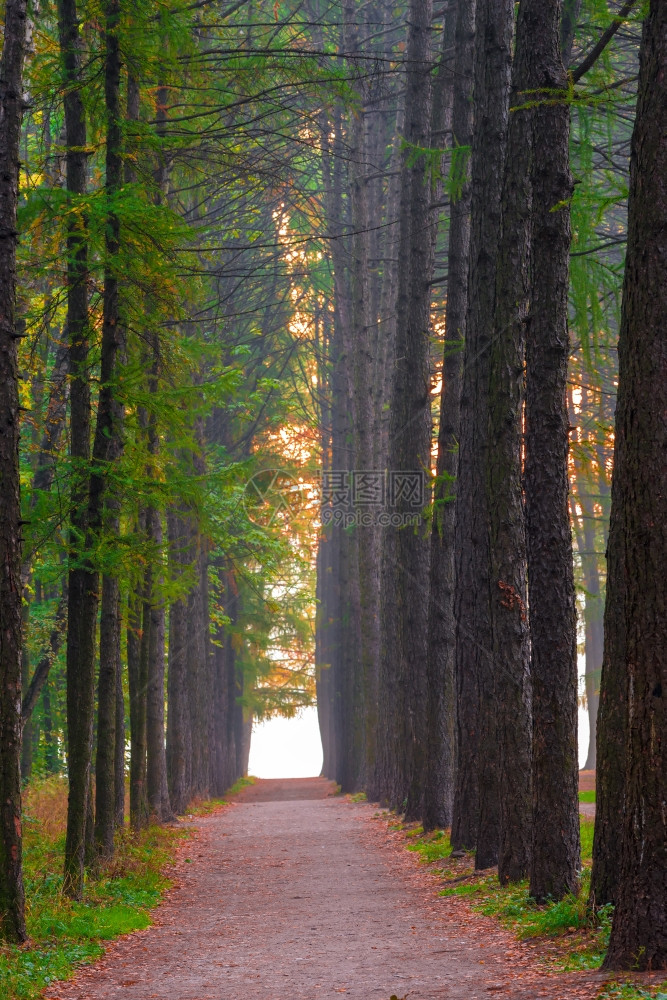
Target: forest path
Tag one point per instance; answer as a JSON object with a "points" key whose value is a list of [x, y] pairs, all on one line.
{"points": [[291, 893]]}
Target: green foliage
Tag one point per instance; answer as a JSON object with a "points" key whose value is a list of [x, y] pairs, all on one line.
{"points": [[240, 784], [632, 991], [458, 171], [434, 847], [582, 935], [218, 267], [64, 934], [586, 829], [587, 796]]}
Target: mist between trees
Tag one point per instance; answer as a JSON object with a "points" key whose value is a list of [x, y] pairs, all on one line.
{"points": [[245, 247]]}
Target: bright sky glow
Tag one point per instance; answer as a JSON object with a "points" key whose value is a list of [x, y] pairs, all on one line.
{"points": [[291, 748], [287, 748]]}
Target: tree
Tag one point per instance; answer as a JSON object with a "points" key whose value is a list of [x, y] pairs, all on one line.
{"points": [[476, 804], [80, 628], [635, 619], [441, 655], [504, 474], [12, 919], [108, 446], [405, 554], [555, 850]]}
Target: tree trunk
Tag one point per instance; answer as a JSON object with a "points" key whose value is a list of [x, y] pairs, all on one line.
{"points": [[81, 611], [509, 614], [156, 758], [555, 852], [105, 764], [441, 657], [360, 359], [137, 680], [178, 719], [108, 448], [198, 669], [405, 555], [50, 750], [27, 728], [593, 623], [637, 584], [12, 919], [476, 807], [119, 761], [348, 719], [54, 424]]}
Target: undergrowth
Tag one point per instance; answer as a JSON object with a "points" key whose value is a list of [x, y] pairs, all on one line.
{"points": [[631, 991], [578, 937], [118, 898], [203, 807]]}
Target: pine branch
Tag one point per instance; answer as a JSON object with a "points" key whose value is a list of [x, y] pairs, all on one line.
{"points": [[602, 42]]}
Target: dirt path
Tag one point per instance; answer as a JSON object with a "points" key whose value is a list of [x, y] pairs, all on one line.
{"points": [[292, 894]]}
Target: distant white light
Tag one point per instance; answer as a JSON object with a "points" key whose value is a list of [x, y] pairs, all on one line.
{"points": [[287, 748], [292, 748]]}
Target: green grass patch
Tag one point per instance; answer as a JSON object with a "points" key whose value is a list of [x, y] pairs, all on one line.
{"points": [[203, 807], [240, 784], [577, 937], [358, 797], [586, 828], [587, 796], [630, 991], [433, 847], [206, 807], [64, 934]]}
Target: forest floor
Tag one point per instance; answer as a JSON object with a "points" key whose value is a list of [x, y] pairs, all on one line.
{"points": [[587, 784], [291, 892]]}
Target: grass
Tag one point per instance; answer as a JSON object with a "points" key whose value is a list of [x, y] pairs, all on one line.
{"points": [[587, 796], [630, 991], [577, 937], [203, 807], [118, 899]]}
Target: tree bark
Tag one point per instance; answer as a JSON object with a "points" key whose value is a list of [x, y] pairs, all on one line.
{"points": [[156, 758], [509, 613], [476, 807], [359, 357], [555, 851], [405, 554], [106, 447], [593, 623], [119, 761], [441, 656], [137, 665], [54, 424], [347, 715], [105, 763], [41, 673], [637, 584], [12, 902], [178, 719], [199, 665], [81, 610]]}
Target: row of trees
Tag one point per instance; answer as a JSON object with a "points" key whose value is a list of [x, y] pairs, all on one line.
{"points": [[447, 681], [156, 355], [265, 240]]}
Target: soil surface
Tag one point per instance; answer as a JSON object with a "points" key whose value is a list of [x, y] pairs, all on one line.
{"points": [[292, 893]]}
